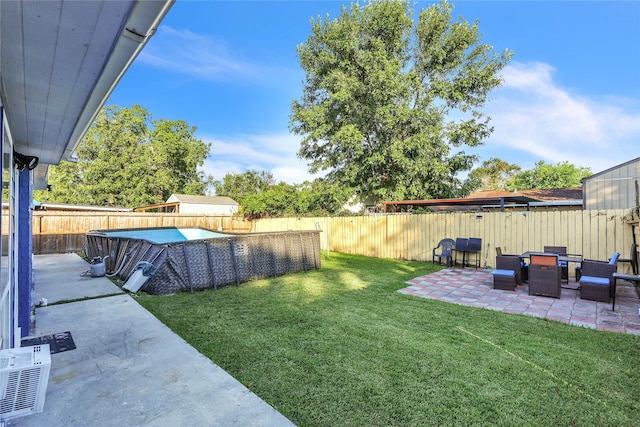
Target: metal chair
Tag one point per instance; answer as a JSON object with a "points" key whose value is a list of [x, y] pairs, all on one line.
{"points": [[474, 247], [633, 259], [461, 245]]}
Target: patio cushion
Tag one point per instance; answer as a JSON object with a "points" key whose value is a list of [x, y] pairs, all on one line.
{"points": [[603, 281], [507, 273]]}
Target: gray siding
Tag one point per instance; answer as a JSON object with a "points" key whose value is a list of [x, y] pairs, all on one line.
{"points": [[615, 188]]}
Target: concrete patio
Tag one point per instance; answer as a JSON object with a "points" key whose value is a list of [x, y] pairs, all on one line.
{"points": [[471, 287], [128, 369]]}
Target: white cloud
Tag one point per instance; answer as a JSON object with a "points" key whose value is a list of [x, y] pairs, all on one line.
{"points": [[206, 58], [185, 52], [273, 153], [536, 119]]}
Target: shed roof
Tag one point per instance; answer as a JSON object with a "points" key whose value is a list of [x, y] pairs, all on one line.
{"points": [[637, 159], [208, 200]]}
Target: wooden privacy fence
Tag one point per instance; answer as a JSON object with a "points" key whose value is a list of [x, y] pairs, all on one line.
{"points": [[59, 232], [595, 234]]}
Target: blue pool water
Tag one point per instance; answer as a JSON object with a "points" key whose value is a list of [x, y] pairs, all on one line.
{"points": [[166, 235]]}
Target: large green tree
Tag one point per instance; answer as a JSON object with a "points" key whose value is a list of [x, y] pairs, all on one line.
{"points": [[494, 174], [389, 102], [547, 175], [240, 185], [129, 159], [317, 198]]}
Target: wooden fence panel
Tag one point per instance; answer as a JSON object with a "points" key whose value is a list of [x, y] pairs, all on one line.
{"points": [[594, 234], [59, 232]]}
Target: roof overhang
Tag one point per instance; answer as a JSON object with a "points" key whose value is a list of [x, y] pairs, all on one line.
{"points": [[59, 62], [173, 205], [467, 201]]}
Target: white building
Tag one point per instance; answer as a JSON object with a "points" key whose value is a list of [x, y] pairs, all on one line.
{"points": [[214, 205], [615, 188]]}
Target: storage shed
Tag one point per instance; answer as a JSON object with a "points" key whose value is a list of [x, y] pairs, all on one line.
{"points": [[614, 188], [185, 203], [217, 205]]}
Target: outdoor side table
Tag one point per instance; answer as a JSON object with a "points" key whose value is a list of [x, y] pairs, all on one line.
{"points": [[627, 277]]}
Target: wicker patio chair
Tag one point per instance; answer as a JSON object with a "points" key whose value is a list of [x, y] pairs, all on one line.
{"points": [[511, 262], [445, 245], [544, 275], [502, 280], [560, 250], [596, 280], [524, 267], [544, 280]]}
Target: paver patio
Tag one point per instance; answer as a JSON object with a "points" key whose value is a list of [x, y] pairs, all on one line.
{"points": [[471, 287]]}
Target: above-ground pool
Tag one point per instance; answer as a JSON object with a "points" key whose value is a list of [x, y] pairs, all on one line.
{"points": [[165, 234], [197, 258]]}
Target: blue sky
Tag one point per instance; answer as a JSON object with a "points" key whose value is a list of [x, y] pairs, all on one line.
{"points": [[571, 91]]}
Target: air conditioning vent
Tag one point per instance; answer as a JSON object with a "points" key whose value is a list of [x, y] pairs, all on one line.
{"points": [[24, 374]]}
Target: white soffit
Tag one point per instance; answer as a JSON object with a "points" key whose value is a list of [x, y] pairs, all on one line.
{"points": [[60, 60]]}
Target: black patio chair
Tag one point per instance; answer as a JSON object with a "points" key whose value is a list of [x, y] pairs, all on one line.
{"points": [[445, 245], [475, 247], [461, 245]]}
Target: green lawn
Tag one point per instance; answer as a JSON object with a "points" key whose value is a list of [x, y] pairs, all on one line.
{"points": [[339, 347]]}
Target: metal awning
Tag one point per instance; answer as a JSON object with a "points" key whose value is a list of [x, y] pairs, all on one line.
{"points": [[464, 201]]}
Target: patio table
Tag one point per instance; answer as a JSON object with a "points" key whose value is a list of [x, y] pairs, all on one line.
{"points": [[567, 258]]}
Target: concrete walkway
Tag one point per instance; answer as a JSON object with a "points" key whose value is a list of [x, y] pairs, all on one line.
{"points": [[128, 368], [474, 288]]}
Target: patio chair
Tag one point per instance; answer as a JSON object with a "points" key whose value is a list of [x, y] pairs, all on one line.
{"points": [[560, 250], [544, 275], [524, 267], [445, 245], [507, 274], [633, 258], [460, 245], [613, 260], [596, 281], [475, 247]]}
